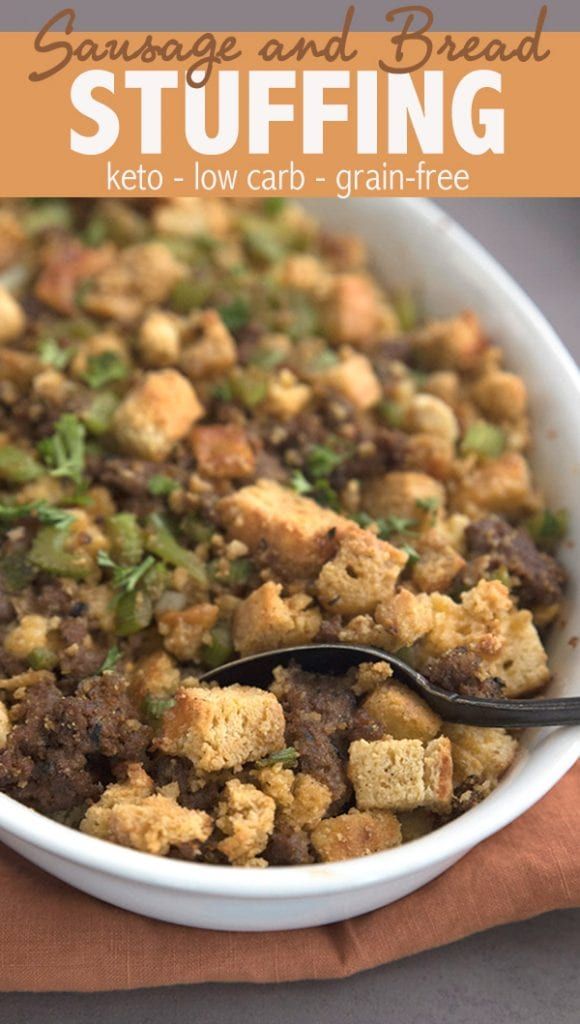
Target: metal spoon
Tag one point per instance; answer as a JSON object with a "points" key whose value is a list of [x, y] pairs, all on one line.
{"points": [[336, 659]]}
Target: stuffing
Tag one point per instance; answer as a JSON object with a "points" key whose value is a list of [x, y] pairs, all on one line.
{"points": [[500, 485], [400, 775], [479, 753], [404, 618], [158, 339], [12, 317], [501, 395], [185, 632], [66, 267], [438, 565], [363, 571], [397, 493], [132, 814], [190, 217], [402, 713], [430, 454], [246, 817], [156, 414], [141, 275], [287, 396], [105, 342], [370, 675], [486, 622], [354, 379], [223, 728], [266, 620], [207, 347], [311, 800], [292, 532], [428, 414], [5, 724], [356, 834], [223, 452], [450, 344]]}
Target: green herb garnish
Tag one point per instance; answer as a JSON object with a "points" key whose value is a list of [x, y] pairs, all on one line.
{"points": [[321, 461], [428, 504], [125, 577], [235, 314], [51, 354], [47, 514], [104, 368], [412, 554], [288, 757], [160, 485], [111, 659], [64, 452]]}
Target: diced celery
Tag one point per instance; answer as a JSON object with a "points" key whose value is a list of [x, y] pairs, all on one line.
{"points": [[17, 466]]}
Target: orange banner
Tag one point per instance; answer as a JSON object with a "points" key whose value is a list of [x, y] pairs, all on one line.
{"points": [[125, 121]]}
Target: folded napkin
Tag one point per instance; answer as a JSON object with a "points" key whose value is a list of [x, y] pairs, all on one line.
{"points": [[55, 938]]}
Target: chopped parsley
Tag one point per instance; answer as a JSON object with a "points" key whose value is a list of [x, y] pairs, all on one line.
{"points": [[412, 554], [113, 655], [47, 514], [287, 757], [235, 314], [64, 452], [428, 504], [104, 368], [51, 354], [160, 485], [125, 577]]}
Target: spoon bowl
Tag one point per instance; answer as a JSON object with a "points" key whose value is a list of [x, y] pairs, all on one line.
{"points": [[337, 659]]}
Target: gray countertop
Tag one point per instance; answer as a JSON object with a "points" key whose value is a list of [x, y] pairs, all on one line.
{"points": [[520, 973]]}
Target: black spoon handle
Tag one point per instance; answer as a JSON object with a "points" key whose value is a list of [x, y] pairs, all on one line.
{"points": [[506, 714]]}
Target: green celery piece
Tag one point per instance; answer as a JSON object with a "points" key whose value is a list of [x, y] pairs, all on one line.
{"points": [[48, 552], [18, 466], [160, 541]]}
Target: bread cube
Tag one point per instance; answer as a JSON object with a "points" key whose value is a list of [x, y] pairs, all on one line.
{"points": [[246, 816], [158, 341], [501, 395], [141, 275], [364, 570], [207, 346], [456, 344], [402, 713], [428, 414], [156, 414], [310, 802], [185, 632], [502, 485], [354, 379], [223, 728], [356, 834], [294, 534], [12, 318], [156, 675], [404, 618], [353, 315], [5, 724], [398, 492], [478, 752], [437, 567], [265, 620], [223, 451], [287, 396], [400, 775], [132, 814]]}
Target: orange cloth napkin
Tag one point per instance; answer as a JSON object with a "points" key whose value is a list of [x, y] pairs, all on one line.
{"points": [[55, 938]]}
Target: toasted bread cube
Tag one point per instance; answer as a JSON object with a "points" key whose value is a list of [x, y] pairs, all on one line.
{"points": [[437, 568], [287, 396], [156, 675], [402, 713], [398, 492], [246, 816], [353, 315], [223, 451], [356, 834], [430, 454], [500, 485], [438, 775], [404, 617], [501, 395], [479, 753], [387, 774], [223, 728], [295, 534], [156, 414], [207, 346], [354, 379], [427, 414], [265, 620], [5, 724], [158, 340], [370, 675], [456, 344], [185, 632], [140, 275], [310, 802], [12, 318], [364, 570]]}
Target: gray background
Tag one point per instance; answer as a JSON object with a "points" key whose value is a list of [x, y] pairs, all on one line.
{"points": [[280, 15], [524, 973]]}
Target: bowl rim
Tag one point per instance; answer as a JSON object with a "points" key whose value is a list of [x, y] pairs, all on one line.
{"points": [[451, 841]]}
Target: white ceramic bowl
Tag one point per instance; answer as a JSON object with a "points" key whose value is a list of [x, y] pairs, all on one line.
{"points": [[413, 243]]}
